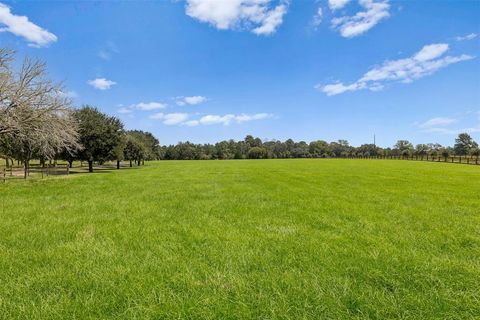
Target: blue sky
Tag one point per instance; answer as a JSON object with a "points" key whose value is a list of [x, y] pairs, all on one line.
{"points": [[208, 70]]}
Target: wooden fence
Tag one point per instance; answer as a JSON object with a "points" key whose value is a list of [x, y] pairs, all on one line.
{"points": [[37, 171], [472, 160]]}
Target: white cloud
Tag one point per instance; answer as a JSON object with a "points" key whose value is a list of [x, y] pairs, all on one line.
{"points": [[211, 119], [317, 18], [337, 4], [143, 106], [191, 123], [470, 36], [439, 121], [170, 118], [425, 62], [257, 116], [148, 106], [431, 51], [192, 100], [101, 83], [361, 22], [442, 125], [227, 119], [271, 20], [216, 119], [21, 26], [124, 110], [259, 16]]}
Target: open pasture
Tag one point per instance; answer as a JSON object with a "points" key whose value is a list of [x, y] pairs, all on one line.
{"points": [[266, 239]]}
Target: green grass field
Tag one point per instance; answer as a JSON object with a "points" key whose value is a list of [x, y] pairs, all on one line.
{"points": [[266, 239]]}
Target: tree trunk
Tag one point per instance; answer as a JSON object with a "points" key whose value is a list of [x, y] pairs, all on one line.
{"points": [[25, 168], [70, 163], [90, 166], [130, 163], [118, 164]]}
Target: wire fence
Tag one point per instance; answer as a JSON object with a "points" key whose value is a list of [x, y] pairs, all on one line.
{"points": [[34, 171]]}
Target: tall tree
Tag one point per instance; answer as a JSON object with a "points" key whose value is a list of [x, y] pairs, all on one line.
{"points": [[464, 143]]}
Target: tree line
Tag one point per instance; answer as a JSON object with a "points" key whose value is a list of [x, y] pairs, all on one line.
{"points": [[255, 148], [38, 121]]}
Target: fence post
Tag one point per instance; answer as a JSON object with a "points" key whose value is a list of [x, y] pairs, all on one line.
{"points": [[68, 169]]}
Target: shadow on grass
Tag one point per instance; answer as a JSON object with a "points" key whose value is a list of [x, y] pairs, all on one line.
{"points": [[102, 169]]}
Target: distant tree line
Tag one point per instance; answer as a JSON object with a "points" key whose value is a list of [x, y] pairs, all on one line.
{"points": [[255, 148], [38, 121]]}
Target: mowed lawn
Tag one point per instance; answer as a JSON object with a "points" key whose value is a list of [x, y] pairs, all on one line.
{"points": [[260, 239]]}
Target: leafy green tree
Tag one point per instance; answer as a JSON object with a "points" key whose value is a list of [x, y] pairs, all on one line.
{"points": [[257, 153], [152, 145], [319, 148], [421, 149], [475, 152], [100, 136], [403, 147], [463, 144], [134, 149]]}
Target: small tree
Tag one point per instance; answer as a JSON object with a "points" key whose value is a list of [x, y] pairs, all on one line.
{"points": [[134, 150], [475, 152], [445, 152], [100, 135]]}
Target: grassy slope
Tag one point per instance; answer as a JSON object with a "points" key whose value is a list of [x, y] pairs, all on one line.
{"points": [[289, 239]]}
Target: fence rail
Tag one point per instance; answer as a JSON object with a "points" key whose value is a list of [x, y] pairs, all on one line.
{"points": [[471, 160]]}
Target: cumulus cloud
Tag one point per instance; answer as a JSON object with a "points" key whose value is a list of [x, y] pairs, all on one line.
{"points": [[101, 83], [362, 21], [143, 106], [470, 36], [170, 118], [211, 119], [227, 119], [191, 100], [425, 62], [22, 27], [259, 16], [337, 4], [148, 106]]}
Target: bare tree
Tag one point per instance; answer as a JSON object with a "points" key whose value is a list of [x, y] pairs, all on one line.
{"points": [[35, 114]]}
